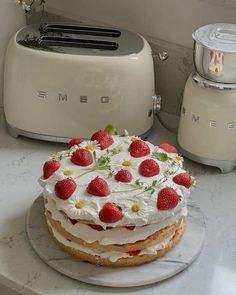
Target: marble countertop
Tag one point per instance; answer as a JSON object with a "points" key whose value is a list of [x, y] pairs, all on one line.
{"points": [[213, 273]]}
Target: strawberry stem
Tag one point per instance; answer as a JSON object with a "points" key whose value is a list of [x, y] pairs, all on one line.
{"points": [[90, 170], [103, 162], [126, 191], [145, 190]]}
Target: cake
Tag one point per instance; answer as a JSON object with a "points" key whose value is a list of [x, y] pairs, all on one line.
{"points": [[116, 200]]}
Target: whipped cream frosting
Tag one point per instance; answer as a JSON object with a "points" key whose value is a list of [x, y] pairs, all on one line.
{"points": [[148, 213], [112, 256], [119, 235]]}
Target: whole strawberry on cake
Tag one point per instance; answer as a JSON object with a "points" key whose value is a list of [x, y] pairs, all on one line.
{"points": [[116, 200]]}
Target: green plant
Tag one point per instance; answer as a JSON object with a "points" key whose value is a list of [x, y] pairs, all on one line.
{"points": [[28, 4]]}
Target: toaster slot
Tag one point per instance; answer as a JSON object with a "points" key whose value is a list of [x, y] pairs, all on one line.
{"points": [[82, 30], [79, 43]]}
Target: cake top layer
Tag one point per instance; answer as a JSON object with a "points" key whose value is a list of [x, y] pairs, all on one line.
{"points": [[115, 181]]}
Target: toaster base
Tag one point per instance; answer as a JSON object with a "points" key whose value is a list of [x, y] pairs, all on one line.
{"points": [[225, 166], [16, 132]]}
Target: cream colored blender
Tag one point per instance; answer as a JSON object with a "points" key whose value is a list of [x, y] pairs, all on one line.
{"points": [[207, 128]]}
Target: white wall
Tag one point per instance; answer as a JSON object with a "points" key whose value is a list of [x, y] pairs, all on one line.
{"points": [[169, 20], [12, 18]]}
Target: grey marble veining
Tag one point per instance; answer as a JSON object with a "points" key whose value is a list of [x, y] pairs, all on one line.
{"points": [[213, 273], [185, 252]]}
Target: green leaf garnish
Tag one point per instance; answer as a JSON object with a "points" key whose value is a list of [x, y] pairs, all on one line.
{"points": [[116, 150], [111, 129], [154, 183], [103, 162], [152, 191], [160, 156]]}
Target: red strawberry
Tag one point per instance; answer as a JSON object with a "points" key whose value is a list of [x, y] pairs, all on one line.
{"points": [[123, 175], [168, 148], [99, 227], [74, 141], [139, 148], [82, 157], [149, 168], [134, 252], [96, 227], [65, 188], [110, 213], [98, 187], [130, 227], [73, 221], [183, 179], [50, 167], [103, 138], [167, 199]]}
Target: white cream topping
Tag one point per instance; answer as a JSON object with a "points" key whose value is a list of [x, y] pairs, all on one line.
{"points": [[112, 256], [117, 235], [148, 214]]}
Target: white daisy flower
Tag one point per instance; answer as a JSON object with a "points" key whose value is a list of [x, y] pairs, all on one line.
{"points": [[136, 209], [127, 163], [86, 144], [90, 145], [76, 206]]}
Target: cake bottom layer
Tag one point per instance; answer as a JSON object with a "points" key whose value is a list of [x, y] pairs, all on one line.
{"points": [[152, 240], [128, 260]]}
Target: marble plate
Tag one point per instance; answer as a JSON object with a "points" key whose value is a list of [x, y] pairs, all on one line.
{"points": [[172, 263]]}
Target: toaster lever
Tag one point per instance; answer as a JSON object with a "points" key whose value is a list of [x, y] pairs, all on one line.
{"points": [[156, 103], [82, 30], [74, 42]]}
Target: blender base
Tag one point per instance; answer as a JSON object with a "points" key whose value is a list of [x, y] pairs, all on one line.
{"points": [[225, 166]]}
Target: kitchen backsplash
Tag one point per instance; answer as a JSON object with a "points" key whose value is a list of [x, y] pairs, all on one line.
{"points": [[169, 20], [170, 76]]}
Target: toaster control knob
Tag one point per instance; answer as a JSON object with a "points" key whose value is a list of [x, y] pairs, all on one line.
{"points": [[156, 104]]}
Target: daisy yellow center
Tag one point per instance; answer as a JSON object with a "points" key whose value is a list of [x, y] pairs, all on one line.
{"points": [[90, 147], [67, 172], [178, 158], [127, 163], [135, 207], [133, 138], [79, 204]]}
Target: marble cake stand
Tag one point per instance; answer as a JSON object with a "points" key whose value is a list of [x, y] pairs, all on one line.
{"points": [[173, 262]]}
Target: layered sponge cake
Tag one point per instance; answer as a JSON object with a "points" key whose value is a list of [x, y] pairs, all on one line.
{"points": [[116, 200]]}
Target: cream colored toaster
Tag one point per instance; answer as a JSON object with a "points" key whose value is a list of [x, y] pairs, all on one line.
{"points": [[66, 80]]}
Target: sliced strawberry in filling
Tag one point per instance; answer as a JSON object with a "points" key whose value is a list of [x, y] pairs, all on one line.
{"points": [[99, 227], [96, 227], [130, 227], [134, 252], [73, 221]]}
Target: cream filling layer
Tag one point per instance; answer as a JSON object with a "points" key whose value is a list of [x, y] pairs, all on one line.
{"points": [[114, 236], [112, 256]]}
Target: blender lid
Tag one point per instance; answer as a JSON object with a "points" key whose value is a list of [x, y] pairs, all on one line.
{"points": [[219, 37]]}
